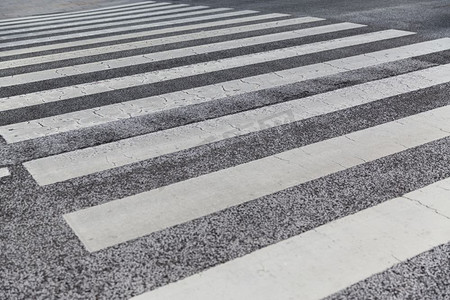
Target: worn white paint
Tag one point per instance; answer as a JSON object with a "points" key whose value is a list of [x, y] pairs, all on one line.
{"points": [[164, 40], [4, 172], [125, 219], [177, 20], [97, 87], [60, 29], [86, 161], [171, 54], [123, 36], [320, 262], [102, 10], [110, 113], [85, 19], [436, 197]]}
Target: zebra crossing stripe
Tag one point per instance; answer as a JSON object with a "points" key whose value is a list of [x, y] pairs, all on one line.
{"points": [[435, 197], [124, 36], [4, 172], [179, 38], [320, 262], [176, 53], [5, 29], [97, 87], [177, 19], [77, 13], [128, 218], [171, 54], [52, 169], [151, 15], [144, 106], [311, 265]]}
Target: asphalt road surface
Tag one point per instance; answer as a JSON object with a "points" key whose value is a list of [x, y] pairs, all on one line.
{"points": [[212, 150]]}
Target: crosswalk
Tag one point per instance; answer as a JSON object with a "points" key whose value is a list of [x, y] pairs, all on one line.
{"points": [[296, 268], [69, 15], [17, 31], [227, 110]]}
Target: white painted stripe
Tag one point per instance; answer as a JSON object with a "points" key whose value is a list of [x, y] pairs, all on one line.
{"points": [[52, 169], [435, 196], [121, 37], [320, 262], [171, 39], [69, 14], [4, 172], [120, 29], [171, 54], [96, 116], [125, 219], [44, 24], [121, 20], [97, 87]]}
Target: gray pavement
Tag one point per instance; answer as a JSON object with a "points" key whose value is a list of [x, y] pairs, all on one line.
{"points": [[176, 134]]}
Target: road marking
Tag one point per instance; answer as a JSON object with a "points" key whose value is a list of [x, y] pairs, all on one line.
{"points": [[171, 39], [435, 197], [140, 107], [124, 36], [4, 172], [320, 262], [68, 14], [132, 217], [61, 167], [175, 53], [149, 16], [172, 54], [102, 86], [56, 38], [49, 24]]}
